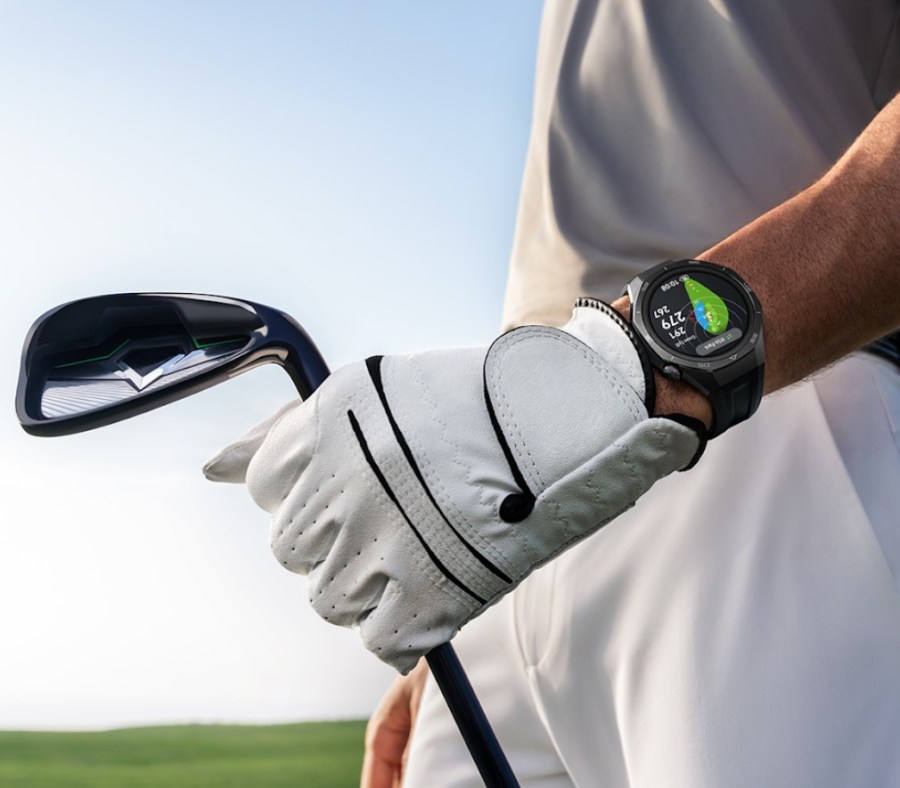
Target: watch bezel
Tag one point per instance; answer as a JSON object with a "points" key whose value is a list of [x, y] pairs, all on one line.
{"points": [[643, 284]]}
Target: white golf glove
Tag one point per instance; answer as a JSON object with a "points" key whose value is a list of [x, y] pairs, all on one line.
{"points": [[416, 490]]}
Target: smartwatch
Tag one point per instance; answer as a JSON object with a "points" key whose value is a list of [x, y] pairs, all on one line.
{"points": [[701, 323]]}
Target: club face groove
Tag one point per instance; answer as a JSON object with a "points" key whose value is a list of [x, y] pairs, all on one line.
{"points": [[95, 361]]}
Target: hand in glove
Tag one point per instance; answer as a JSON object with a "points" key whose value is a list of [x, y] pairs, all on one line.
{"points": [[416, 490]]}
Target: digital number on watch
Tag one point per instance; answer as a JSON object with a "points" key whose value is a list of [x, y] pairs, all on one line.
{"points": [[698, 314]]}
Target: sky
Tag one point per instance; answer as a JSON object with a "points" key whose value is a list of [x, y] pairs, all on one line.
{"points": [[355, 164]]}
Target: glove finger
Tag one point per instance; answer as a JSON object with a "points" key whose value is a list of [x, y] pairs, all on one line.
{"points": [[276, 465], [347, 599], [334, 511], [230, 464], [404, 626]]}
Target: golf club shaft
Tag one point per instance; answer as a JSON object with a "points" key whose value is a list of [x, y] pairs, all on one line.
{"points": [[470, 718]]}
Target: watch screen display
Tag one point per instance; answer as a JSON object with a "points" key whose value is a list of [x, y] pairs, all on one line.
{"points": [[698, 313]]}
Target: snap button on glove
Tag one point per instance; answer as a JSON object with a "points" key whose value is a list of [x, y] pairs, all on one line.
{"points": [[416, 490]]}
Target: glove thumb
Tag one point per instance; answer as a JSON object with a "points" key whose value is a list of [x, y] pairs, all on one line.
{"points": [[230, 464], [614, 479]]}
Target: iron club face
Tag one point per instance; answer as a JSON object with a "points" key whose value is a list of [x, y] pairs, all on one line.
{"points": [[95, 361]]}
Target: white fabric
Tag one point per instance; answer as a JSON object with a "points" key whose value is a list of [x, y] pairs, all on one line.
{"points": [[349, 511], [661, 127], [740, 627]]}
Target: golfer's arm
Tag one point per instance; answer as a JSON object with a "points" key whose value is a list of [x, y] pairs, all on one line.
{"points": [[825, 265]]}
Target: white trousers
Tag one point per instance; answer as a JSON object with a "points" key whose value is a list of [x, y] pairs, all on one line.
{"points": [[739, 627]]}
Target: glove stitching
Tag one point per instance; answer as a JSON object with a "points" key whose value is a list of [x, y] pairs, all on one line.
{"points": [[374, 366], [414, 552], [487, 503], [368, 409], [435, 482], [393, 469], [584, 534], [611, 376], [590, 485], [506, 412], [657, 436], [440, 539], [449, 541], [664, 434], [628, 461], [590, 355], [429, 520]]}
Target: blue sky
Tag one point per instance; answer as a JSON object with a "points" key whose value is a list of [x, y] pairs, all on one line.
{"points": [[355, 164]]}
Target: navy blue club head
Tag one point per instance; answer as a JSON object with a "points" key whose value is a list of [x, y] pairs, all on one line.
{"points": [[99, 360]]}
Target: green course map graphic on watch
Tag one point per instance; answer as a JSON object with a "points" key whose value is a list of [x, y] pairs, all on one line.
{"points": [[709, 309], [698, 313]]}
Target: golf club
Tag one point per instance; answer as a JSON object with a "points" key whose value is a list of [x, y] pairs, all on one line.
{"points": [[96, 361]]}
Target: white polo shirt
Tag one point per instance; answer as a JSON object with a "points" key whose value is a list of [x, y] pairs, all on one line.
{"points": [[661, 126]]}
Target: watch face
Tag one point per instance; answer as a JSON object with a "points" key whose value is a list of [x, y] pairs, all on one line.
{"points": [[698, 313]]}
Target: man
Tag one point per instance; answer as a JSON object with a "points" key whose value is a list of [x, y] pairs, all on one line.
{"points": [[740, 625]]}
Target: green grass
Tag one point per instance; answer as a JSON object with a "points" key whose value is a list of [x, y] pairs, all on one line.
{"points": [[318, 755]]}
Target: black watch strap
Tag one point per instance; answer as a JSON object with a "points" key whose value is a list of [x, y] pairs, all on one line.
{"points": [[737, 401]]}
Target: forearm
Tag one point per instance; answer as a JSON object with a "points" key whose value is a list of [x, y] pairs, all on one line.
{"points": [[825, 264]]}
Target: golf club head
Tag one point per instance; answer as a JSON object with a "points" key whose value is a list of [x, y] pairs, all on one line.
{"points": [[99, 360]]}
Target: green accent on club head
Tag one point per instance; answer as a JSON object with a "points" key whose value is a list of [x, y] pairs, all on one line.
{"points": [[204, 345], [197, 344], [95, 358]]}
